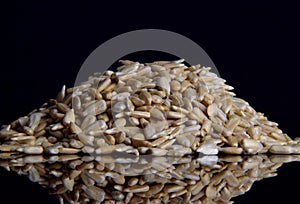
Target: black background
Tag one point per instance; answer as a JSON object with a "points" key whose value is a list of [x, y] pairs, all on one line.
{"points": [[255, 47]]}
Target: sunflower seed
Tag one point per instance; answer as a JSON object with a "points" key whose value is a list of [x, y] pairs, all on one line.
{"points": [[34, 120], [139, 114], [105, 149], [173, 188], [208, 147], [119, 107], [163, 83], [157, 114], [175, 85], [288, 149], [95, 108], [251, 146], [74, 128], [33, 150], [104, 84], [231, 150], [94, 192], [174, 115], [68, 183], [69, 117]]}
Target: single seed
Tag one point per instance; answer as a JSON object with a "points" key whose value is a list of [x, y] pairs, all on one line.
{"points": [[33, 150], [69, 117], [175, 85], [137, 189], [104, 85], [119, 107], [139, 114], [174, 115]]}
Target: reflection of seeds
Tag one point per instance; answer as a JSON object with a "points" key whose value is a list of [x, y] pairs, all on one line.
{"points": [[34, 175], [147, 179]]}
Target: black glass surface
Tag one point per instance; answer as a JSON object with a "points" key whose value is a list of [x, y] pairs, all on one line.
{"points": [[254, 46]]}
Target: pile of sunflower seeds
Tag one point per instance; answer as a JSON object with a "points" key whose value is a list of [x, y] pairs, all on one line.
{"points": [[146, 179], [159, 108]]}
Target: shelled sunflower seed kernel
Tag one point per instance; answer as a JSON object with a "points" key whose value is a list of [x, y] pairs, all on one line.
{"points": [[146, 179], [159, 108]]}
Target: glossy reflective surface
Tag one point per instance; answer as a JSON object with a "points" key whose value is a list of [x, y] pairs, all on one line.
{"points": [[148, 179]]}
